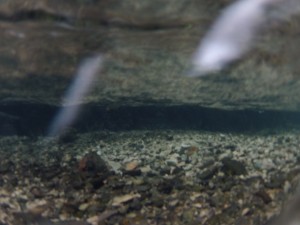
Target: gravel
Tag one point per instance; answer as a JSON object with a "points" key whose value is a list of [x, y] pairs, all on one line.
{"points": [[144, 177]]}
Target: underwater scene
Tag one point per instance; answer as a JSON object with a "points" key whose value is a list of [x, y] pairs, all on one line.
{"points": [[149, 112]]}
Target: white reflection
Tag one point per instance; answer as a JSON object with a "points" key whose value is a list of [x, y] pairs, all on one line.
{"points": [[78, 89], [233, 32]]}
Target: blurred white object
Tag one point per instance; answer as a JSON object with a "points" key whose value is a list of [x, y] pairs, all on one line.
{"points": [[78, 89], [233, 32]]}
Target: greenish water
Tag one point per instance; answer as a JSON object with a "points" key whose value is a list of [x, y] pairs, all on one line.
{"points": [[147, 144]]}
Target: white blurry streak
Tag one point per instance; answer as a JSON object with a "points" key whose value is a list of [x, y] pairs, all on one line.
{"points": [[233, 32], [77, 90]]}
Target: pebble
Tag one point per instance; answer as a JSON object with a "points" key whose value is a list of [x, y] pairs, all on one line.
{"points": [[131, 165], [83, 206]]}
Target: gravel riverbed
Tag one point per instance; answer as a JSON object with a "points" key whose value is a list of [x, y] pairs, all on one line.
{"points": [[148, 177]]}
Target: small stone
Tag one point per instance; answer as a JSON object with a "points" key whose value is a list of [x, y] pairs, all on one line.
{"points": [[94, 220], [172, 160], [173, 203], [131, 165], [118, 200], [145, 169], [192, 150], [245, 211], [83, 206]]}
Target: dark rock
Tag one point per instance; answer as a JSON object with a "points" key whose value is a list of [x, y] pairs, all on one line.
{"points": [[97, 182], [92, 164], [169, 137], [37, 192], [232, 209], [135, 172], [93, 169], [48, 173], [166, 186], [230, 147], [177, 170], [77, 183], [242, 221], [30, 218], [208, 173], [143, 188], [135, 205], [6, 166], [13, 180], [225, 183], [165, 170], [233, 167], [264, 196], [157, 201], [276, 180]]}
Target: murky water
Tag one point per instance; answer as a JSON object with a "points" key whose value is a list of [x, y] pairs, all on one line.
{"points": [[146, 137]]}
